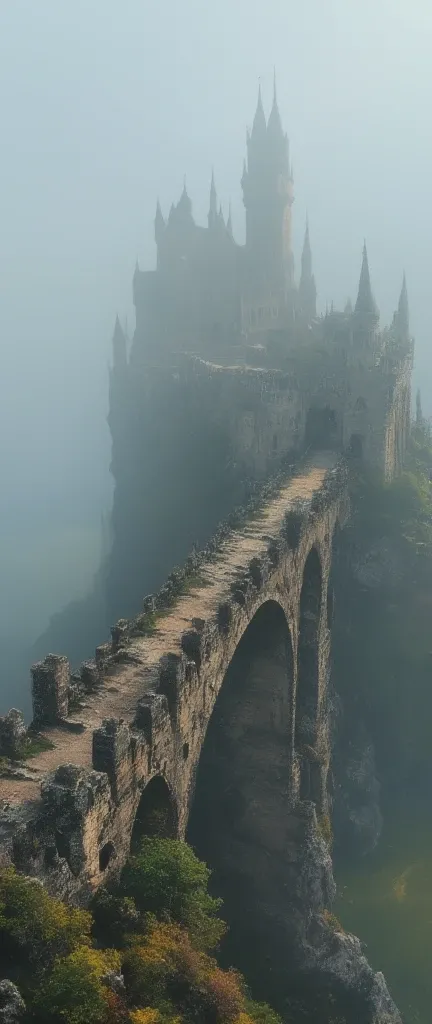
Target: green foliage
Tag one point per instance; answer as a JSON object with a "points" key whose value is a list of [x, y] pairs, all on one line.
{"points": [[163, 922], [114, 917], [74, 992], [35, 926], [167, 879], [164, 969], [332, 921], [36, 744], [325, 827], [261, 1013]]}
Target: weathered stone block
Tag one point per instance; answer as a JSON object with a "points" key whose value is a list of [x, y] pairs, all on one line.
{"points": [[50, 687], [13, 734], [111, 746], [151, 715]]}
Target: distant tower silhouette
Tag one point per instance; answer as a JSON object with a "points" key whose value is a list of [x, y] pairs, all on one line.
{"points": [[268, 197], [307, 286]]}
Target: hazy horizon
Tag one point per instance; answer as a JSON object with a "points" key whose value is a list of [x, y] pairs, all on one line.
{"points": [[106, 107]]}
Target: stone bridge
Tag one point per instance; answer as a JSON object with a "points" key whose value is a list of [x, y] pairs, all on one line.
{"points": [[245, 651]]}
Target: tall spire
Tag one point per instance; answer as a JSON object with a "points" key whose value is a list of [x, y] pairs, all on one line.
{"points": [[307, 286], [365, 301], [306, 259], [119, 345], [159, 223], [274, 127], [403, 310], [212, 214], [184, 205], [229, 222], [259, 124]]}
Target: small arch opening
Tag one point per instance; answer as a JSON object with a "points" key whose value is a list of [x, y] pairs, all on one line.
{"points": [[322, 431], [62, 845], [106, 855], [156, 814], [185, 751]]}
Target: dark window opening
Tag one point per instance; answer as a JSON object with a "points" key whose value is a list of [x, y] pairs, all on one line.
{"points": [[156, 814], [321, 429], [275, 443], [185, 751], [106, 854], [62, 845]]}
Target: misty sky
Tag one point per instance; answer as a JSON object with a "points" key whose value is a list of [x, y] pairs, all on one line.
{"points": [[106, 104]]}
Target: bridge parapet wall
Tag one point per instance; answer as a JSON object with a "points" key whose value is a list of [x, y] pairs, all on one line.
{"points": [[147, 700]]}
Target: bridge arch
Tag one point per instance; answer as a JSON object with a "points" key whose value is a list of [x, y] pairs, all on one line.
{"points": [[156, 814], [242, 791], [307, 693]]}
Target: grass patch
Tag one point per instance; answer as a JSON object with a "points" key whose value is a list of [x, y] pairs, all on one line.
{"points": [[36, 745]]}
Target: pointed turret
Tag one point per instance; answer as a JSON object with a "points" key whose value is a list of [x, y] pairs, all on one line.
{"points": [[365, 304], [212, 214], [348, 308], [159, 223], [119, 345], [184, 205], [259, 126], [274, 127], [307, 286], [229, 222], [403, 310]]}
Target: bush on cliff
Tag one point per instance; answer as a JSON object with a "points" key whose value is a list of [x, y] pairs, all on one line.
{"points": [[74, 990], [35, 927], [167, 879], [161, 972]]}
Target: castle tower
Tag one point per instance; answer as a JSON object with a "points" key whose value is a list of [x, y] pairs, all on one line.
{"points": [[213, 211], [268, 197], [307, 286], [366, 313], [119, 346], [402, 316]]}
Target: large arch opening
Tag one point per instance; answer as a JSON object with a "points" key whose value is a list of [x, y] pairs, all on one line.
{"points": [[322, 429], [240, 819], [156, 814], [308, 676]]}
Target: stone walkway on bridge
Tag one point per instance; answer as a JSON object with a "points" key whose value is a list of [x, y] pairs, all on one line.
{"points": [[125, 683]]}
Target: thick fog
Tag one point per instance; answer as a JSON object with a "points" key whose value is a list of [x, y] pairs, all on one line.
{"points": [[107, 105]]}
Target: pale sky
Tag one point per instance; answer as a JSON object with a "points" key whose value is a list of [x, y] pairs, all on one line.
{"points": [[106, 104]]}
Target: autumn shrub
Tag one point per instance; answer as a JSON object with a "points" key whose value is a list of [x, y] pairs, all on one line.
{"points": [[164, 923], [34, 926], [164, 969], [74, 992], [166, 879]]}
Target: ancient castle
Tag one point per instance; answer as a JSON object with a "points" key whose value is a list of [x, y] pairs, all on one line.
{"points": [[211, 704], [230, 358]]}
